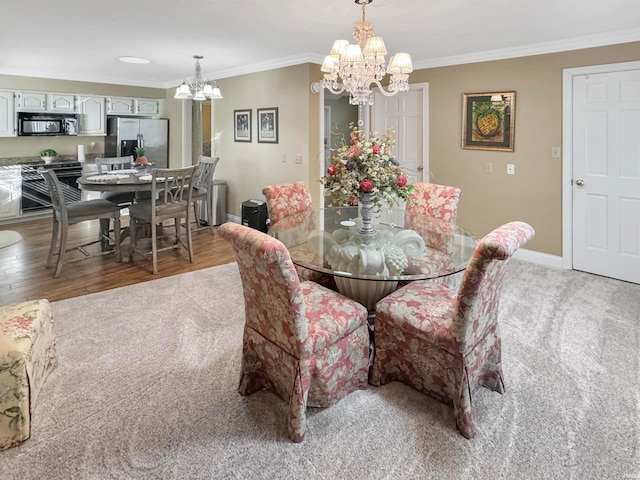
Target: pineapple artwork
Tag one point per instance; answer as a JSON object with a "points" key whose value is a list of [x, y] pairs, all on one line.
{"points": [[487, 118], [488, 121]]}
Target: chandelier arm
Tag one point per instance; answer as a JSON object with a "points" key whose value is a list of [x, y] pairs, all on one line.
{"points": [[334, 91], [386, 93]]}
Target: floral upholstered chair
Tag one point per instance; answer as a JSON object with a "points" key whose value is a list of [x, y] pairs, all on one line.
{"points": [[307, 344], [291, 219], [432, 203], [432, 211], [443, 342]]}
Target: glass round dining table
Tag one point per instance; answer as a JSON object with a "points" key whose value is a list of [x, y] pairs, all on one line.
{"points": [[366, 268], [137, 180]]}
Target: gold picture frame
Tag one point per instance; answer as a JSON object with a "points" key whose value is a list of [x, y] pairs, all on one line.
{"points": [[488, 121]]}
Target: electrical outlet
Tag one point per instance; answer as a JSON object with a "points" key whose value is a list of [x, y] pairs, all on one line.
{"points": [[488, 167], [511, 169], [284, 157], [298, 158], [555, 152]]}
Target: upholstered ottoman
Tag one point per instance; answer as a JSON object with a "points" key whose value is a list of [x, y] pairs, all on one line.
{"points": [[27, 354]]}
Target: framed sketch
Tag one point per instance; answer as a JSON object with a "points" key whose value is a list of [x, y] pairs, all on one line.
{"points": [[488, 121], [242, 125], [268, 125]]}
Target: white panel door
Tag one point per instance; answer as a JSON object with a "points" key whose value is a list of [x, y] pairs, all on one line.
{"points": [[606, 174], [405, 113]]}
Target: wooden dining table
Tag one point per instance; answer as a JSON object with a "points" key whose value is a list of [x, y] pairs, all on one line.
{"points": [[128, 180], [136, 180]]}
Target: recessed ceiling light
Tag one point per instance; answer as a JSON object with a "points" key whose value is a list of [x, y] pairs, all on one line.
{"points": [[133, 60]]}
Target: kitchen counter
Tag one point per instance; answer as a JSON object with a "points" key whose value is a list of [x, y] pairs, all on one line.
{"points": [[60, 159]]}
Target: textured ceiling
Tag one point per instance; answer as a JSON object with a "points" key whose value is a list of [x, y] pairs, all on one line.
{"points": [[81, 40]]}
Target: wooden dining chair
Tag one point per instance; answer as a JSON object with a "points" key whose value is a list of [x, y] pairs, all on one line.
{"points": [[171, 198], [106, 164], [202, 191], [66, 214]]}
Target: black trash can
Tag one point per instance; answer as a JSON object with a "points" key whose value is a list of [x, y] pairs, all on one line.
{"points": [[254, 214]]}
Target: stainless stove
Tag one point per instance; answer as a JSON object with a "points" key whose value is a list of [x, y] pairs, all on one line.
{"points": [[35, 194]]}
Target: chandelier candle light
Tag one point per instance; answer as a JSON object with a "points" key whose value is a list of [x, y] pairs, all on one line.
{"points": [[362, 64], [197, 89]]}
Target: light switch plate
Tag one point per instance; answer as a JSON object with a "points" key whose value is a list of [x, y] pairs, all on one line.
{"points": [[298, 158], [511, 169], [555, 152]]}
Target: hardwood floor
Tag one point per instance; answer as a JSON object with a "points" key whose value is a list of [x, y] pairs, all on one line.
{"points": [[23, 275]]}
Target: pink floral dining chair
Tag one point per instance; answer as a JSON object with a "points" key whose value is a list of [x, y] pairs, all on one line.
{"points": [[291, 219], [443, 342], [434, 201], [307, 344], [432, 212]]}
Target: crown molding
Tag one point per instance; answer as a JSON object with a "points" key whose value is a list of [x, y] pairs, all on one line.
{"points": [[283, 62], [577, 43], [57, 75]]}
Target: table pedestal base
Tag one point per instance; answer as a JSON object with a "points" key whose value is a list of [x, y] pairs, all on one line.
{"points": [[368, 293]]}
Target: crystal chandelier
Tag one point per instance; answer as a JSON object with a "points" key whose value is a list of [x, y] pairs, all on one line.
{"points": [[361, 65], [197, 89]]}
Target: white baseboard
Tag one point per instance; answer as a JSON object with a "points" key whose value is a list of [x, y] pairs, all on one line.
{"points": [[234, 218], [539, 258]]}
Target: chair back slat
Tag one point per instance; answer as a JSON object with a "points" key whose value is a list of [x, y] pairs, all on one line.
{"points": [[106, 164], [56, 193], [175, 186], [205, 172]]}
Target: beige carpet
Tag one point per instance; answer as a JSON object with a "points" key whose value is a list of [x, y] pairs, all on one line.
{"points": [[9, 237], [146, 389]]}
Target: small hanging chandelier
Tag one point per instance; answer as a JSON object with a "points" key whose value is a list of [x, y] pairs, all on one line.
{"points": [[197, 89], [361, 65]]}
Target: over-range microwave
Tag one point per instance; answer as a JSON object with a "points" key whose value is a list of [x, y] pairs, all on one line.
{"points": [[46, 124]]}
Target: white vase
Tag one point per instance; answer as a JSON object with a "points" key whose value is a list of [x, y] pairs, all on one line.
{"points": [[366, 213]]}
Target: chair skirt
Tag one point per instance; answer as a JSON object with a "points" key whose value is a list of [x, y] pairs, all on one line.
{"points": [[314, 381], [409, 356], [28, 353]]}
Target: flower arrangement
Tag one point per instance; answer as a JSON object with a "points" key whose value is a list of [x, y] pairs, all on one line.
{"points": [[365, 166]]}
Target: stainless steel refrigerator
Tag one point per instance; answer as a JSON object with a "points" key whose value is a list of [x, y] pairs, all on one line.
{"points": [[124, 134]]}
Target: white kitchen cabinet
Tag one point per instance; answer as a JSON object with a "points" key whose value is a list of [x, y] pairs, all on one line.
{"points": [[31, 101], [92, 116], [62, 103], [120, 106], [7, 114], [147, 106], [132, 106], [10, 186]]}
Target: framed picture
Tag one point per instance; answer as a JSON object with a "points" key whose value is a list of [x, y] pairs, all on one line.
{"points": [[268, 125], [242, 125], [488, 121]]}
